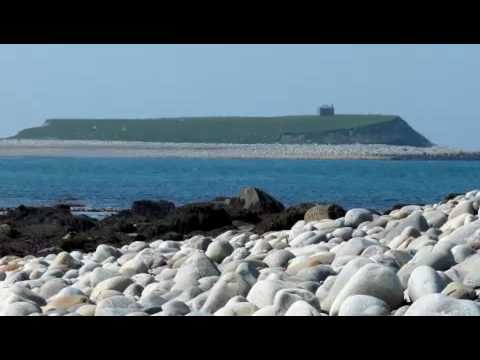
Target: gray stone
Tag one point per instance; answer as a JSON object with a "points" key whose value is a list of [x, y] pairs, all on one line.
{"points": [[175, 308], [152, 302], [133, 291], [52, 287], [341, 280], [117, 283], [228, 286], [464, 207], [302, 308], [103, 252], [20, 309], [219, 250], [363, 305], [415, 220], [423, 281], [100, 274], [441, 305], [461, 252], [26, 294], [200, 243], [284, 298], [352, 247], [375, 280], [278, 258], [237, 309], [355, 217], [263, 292], [435, 218], [196, 267], [459, 291], [316, 273], [116, 306], [133, 267], [309, 238]]}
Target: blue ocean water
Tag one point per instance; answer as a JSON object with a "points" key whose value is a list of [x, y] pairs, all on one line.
{"points": [[118, 182]]}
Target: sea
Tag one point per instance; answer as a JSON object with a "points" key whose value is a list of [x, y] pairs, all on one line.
{"points": [[115, 182]]}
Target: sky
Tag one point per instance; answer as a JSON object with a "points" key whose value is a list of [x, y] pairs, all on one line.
{"points": [[435, 88]]}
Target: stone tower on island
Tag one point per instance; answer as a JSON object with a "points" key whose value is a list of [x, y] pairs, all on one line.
{"points": [[326, 110]]}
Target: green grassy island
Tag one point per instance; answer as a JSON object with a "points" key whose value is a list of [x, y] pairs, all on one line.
{"points": [[301, 129]]}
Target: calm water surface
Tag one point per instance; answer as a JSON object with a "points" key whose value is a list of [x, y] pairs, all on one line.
{"points": [[118, 182]]}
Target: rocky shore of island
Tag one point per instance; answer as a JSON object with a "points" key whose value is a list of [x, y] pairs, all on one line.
{"points": [[84, 148], [241, 256]]}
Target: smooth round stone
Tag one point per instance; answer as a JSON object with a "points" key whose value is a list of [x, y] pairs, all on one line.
{"points": [[116, 306], [302, 308], [441, 305], [239, 241], [352, 247], [189, 294], [472, 279], [175, 308], [20, 309], [88, 266], [70, 291], [86, 310], [263, 292], [71, 274], [423, 281], [65, 302], [459, 291], [461, 252], [35, 274], [200, 243], [196, 267], [137, 246], [197, 302], [261, 246], [104, 252], [100, 274], [166, 274], [198, 313], [138, 313], [316, 273], [219, 250], [363, 305], [237, 309], [345, 233], [435, 218], [64, 259], [106, 294], [27, 294], [133, 291], [308, 238], [228, 286], [239, 254], [375, 280], [284, 298], [15, 277], [278, 258], [134, 266], [117, 283], [52, 287], [347, 272], [464, 207], [152, 302], [355, 217]]}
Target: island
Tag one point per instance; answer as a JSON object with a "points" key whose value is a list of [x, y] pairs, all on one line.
{"points": [[327, 129]]}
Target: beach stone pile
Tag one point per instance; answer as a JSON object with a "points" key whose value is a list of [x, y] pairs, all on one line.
{"points": [[413, 261]]}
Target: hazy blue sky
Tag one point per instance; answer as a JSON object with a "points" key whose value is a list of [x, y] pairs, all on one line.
{"points": [[436, 88]]}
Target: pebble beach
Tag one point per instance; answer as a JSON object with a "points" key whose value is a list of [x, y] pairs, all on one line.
{"points": [[413, 261], [72, 148]]}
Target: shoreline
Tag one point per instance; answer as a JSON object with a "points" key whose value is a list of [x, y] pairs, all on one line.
{"points": [[415, 260], [117, 149]]}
